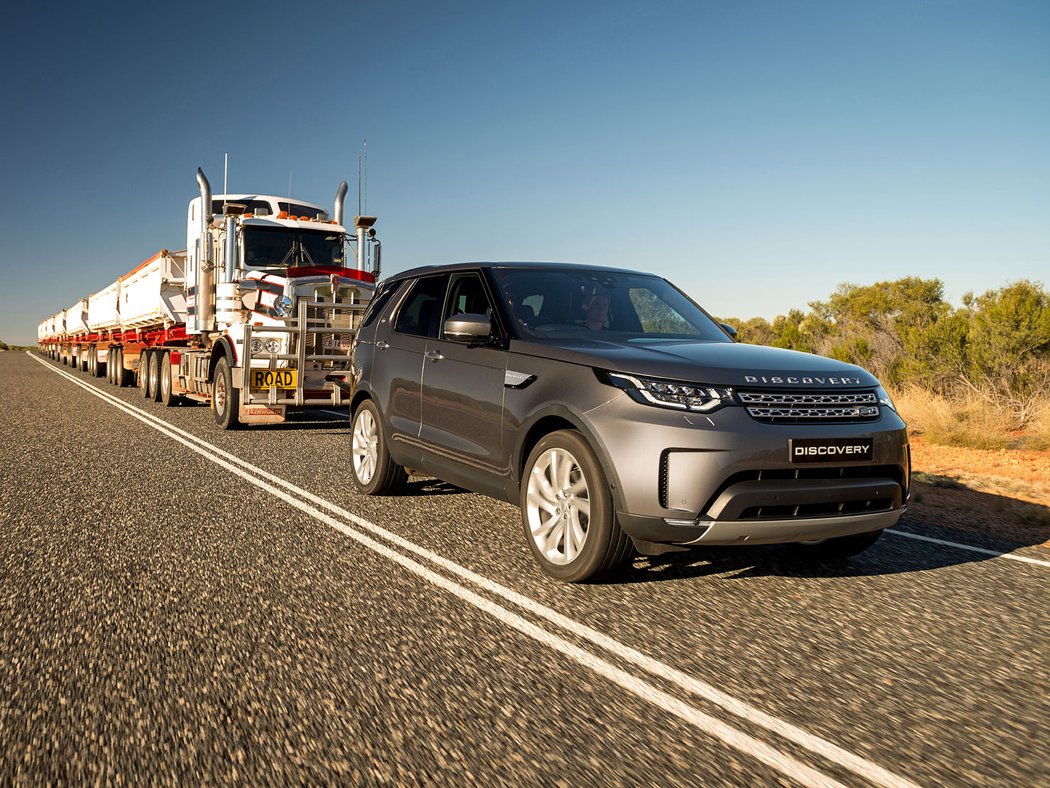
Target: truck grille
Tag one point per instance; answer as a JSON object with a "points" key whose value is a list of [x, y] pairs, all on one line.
{"points": [[792, 407]]}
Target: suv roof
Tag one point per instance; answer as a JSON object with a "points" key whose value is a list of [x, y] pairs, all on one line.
{"points": [[424, 269]]}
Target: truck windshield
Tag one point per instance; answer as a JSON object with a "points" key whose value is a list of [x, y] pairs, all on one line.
{"points": [[273, 247]]}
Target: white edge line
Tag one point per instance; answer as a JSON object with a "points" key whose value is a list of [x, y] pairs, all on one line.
{"points": [[971, 548], [826, 749]]}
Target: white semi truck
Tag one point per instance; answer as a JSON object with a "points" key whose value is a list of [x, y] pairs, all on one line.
{"points": [[256, 316]]}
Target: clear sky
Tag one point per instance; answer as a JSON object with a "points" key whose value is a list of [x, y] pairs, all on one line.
{"points": [[755, 153]]}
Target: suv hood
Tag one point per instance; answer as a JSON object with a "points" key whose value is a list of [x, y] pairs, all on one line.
{"points": [[717, 363]]}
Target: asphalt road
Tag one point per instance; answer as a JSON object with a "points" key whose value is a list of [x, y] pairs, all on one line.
{"points": [[194, 605]]}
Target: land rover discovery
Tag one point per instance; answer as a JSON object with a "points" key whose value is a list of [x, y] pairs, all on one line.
{"points": [[619, 416]]}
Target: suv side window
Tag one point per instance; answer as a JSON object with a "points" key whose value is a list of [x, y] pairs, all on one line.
{"points": [[467, 295], [419, 311]]}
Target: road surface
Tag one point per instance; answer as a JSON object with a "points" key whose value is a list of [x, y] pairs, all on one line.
{"points": [[180, 604]]}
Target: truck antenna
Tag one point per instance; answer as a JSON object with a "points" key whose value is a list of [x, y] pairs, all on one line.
{"points": [[365, 172], [289, 184], [225, 176]]}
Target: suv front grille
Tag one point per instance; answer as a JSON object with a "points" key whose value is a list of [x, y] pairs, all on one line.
{"points": [[792, 407]]}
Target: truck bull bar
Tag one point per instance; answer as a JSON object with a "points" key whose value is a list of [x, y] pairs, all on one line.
{"points": [[319, 346]]}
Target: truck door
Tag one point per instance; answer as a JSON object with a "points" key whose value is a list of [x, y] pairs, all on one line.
{"points": [[462, 395]]}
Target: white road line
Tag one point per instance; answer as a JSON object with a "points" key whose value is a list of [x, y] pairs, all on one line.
{"points": [[971, 548], [343, 416], [860, 766]]}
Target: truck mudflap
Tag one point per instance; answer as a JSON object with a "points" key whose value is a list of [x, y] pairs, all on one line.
{"points": [[314, 369]]}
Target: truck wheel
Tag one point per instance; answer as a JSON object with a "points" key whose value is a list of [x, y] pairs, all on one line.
{"points": [[120, 375], [143, 376], [225, 399], [112, 365], [567, 510], [91, 363], [100, 366], [837, 548], [373, 471], [168, 399], [154, 375], [82, 360]]}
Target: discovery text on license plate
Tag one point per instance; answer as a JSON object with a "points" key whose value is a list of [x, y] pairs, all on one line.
{"points": [[830, 449], [274, 378]]}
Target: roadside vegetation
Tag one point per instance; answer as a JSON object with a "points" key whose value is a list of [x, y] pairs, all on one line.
{"points": [[977, 375]]}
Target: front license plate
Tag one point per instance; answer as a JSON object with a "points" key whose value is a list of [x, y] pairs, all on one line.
{"points": [[274, 378], [830, 449]]}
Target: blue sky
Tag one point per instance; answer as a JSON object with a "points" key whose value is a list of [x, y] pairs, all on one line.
{"points": [[756, 153]]}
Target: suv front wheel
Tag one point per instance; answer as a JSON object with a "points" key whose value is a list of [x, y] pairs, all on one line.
{"points": [[567, 510]]}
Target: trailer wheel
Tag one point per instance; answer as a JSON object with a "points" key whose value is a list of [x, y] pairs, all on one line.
{"points": [[166, 398], [100, 366], [120, 375], [82, 360], [154, 375], [225, 399], [111, 366], [143, 376]]}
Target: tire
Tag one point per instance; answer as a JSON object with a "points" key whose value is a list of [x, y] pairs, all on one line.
{"points": [[100, 366], [120, 375], [373, 471], [835, 549], [165, 396], [92, 363], [562, 485], [110, 358], [154, 375], [225, 399], [142, 379]]}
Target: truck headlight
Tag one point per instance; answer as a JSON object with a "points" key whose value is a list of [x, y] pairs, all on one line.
{"points": [[257, 346], [696, 397], [273, 346], [282, 306]]}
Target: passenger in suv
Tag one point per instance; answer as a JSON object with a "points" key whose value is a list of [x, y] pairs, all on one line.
{"points": [[657, 432]]}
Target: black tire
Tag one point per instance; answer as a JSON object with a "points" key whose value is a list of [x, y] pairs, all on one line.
{"points": [[167, 399], [154, 374], [837, 548], [100, 366], [225, 399], [142, 378], [563, 472], [373, 471], [91, 363], [121, 375], [110, 357]]}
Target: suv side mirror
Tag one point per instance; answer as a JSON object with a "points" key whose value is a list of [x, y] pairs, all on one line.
{"points": [[467, 328], [729, 330]]}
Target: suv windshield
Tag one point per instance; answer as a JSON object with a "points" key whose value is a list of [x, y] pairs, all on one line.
{"points": [[551, 303], [270, 247]]}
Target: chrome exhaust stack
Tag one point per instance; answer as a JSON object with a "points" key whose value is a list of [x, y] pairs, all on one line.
{"points": [[205, 314]]}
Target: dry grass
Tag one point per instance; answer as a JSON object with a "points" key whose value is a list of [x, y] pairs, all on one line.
{"points": [[1037, 436], [959, 421], [969, 421]]}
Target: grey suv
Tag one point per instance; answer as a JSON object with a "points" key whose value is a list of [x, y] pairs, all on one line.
{"points": [[619, 416]]}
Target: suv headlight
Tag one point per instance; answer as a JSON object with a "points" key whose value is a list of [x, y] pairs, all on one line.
{"points": [[674, 394], [885, 399]]}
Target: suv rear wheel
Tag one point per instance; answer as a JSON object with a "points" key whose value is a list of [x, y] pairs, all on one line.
{"points": [[567, 510]]}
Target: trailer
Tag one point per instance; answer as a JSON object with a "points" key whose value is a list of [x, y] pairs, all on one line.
{"points": [[255, 317]]}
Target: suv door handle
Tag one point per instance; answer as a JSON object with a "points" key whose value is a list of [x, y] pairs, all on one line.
{"points": [[381, 345], [434, 355]]}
